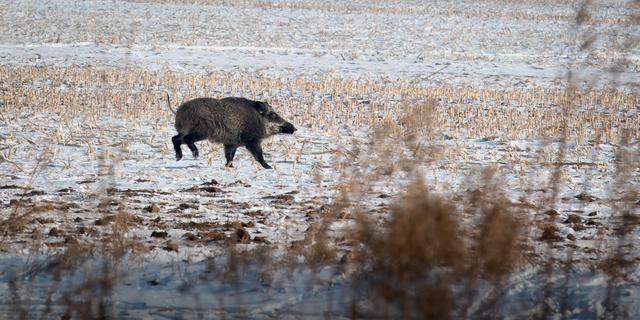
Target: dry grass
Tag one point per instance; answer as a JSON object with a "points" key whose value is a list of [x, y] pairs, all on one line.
{"points": [[336, 28], [410, 255], [384, 7], [421, 254], [137, 94]]}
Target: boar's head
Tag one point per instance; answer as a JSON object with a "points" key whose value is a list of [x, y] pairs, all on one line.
{"points": [[274, 122]]}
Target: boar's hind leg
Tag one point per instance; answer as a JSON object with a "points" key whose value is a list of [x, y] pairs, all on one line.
{"points": [[190, 140], [229, 153], [177, 142], [256, 151]]}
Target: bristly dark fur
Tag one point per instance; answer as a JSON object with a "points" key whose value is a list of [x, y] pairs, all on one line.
{"points": [[233, 121]]}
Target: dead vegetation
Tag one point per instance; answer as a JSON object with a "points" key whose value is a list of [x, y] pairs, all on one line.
{"points": [[525, 113], [416, 250], [424, 252], [410, 254]]}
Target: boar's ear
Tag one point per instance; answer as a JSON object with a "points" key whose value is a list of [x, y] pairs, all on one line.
{"points": [[261, 107]]}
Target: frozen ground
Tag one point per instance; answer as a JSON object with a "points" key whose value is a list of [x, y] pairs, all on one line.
{"points": [[489, 45], [73, 175]]}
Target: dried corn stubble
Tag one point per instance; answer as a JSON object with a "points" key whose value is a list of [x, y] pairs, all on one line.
{"points": [[136, 94]]}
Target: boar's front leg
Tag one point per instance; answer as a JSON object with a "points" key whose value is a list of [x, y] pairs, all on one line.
{"points": [[229, 153], [256, 150]]}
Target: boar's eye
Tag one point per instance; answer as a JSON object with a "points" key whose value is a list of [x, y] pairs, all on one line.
{"points": [[272, 116]]}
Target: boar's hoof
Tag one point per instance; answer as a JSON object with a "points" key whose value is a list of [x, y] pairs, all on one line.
{"points": [[265, 165], [229, 165]]}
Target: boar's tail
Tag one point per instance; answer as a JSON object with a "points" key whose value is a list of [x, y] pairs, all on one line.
{"points": [[169, 104]]}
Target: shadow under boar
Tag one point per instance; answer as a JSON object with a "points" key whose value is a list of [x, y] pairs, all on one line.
{"points": [[234, 122]]}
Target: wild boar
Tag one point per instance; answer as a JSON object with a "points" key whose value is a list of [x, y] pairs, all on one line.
{"points": [[234, 122]]}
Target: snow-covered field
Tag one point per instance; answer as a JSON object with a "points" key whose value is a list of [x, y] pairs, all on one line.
{"points": [[380, 90]]}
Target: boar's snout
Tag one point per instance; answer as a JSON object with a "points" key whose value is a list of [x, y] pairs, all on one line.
{"points": [[288, 128]]}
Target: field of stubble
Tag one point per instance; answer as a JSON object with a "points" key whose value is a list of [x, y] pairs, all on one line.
{"points": [[443, 167]]}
